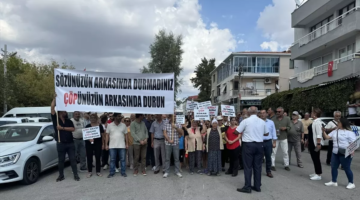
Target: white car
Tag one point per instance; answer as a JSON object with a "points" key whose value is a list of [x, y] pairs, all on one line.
{"points": [[39, 119], [26, 150]]}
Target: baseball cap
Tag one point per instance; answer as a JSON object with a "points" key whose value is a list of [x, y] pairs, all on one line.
{"points": [[295, 113]]}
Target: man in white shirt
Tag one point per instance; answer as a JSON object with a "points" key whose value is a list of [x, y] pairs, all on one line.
{"points": [[330, 126], [252, 131], [78, 140], [116, 134]]}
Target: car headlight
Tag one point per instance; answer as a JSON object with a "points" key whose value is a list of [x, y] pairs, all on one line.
{"points": [[9, 159]]}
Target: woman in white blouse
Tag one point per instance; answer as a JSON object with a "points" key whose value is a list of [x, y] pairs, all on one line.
{"points": [[342, 137]]}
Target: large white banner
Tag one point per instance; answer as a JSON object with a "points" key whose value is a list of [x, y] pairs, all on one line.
{"points": [[114, 92], [228, 110]]}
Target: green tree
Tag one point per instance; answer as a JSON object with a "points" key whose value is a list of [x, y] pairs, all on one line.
{"points": [[202, 80], [166, 57], [27, 84]]}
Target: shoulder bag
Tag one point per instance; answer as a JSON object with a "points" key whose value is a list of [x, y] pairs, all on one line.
{"points": [[341, 151]]}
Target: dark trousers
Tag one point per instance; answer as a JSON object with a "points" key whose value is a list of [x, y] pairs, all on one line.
{"points": [[267, 145], [92, 149], [315, 156], [329, 152], [224, 156], [150, 157], [234, 160], [303, 144], [240, 157], [105, 157], [69, 149], [252, 153]]}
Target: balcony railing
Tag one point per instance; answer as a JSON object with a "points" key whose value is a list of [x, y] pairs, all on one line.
{"points": [[323, 69], [322, 30], [244, 93]]}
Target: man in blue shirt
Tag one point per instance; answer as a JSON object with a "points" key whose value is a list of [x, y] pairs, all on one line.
{"points": [[269, 141]]}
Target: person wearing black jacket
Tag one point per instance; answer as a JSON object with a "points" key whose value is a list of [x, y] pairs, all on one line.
{"points": [[64, 138]]}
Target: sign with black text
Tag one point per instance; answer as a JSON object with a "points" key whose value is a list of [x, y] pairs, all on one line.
{"points": [[87, 91], [201, 114], [91, 133], [204, 104], [352, 147], [180, 119], [228, 110], [191, 105]]}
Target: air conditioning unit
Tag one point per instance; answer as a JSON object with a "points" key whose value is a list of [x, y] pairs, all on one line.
{"points": [[267, 80]]}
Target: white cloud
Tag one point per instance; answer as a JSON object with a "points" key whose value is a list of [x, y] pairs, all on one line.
{"points": [[275, 23], [112, 35], [241, 41]]}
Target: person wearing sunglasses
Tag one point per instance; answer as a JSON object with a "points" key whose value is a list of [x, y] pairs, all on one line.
{"points": [[283, 126]]}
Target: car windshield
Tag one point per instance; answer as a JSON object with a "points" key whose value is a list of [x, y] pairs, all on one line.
{"points": [[7, 122], [326, 121], [18, 133]]}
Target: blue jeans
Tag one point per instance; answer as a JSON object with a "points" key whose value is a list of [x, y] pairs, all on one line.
{"points": [[113, 154], [336, 160]]}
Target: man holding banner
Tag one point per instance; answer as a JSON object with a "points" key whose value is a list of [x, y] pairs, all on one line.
{"points": [[65, 144]]}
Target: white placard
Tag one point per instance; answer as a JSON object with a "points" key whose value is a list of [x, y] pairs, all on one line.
{"points": [[213, 110], [91, 133], [352, 147], [204, 104], [201, 114], [180, 119], [191, 105], [87, 91], [227, 110]]}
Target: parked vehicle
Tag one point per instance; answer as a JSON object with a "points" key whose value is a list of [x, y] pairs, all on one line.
{"points": [[39, 119], [31, 112], [26, 150], [14, 120]]}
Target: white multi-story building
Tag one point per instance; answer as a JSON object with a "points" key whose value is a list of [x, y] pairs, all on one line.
{"points": [[264, 73], [327, 41]]}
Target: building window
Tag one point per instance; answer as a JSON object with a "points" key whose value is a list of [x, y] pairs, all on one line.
{"points": [[213, 78], [268, 91], [224, 91], [291, 64], [321, 31], [321, 60], [218, 90], [236, 85]]}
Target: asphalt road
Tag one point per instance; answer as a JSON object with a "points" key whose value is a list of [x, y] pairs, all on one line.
{"points": [[285, 185]]}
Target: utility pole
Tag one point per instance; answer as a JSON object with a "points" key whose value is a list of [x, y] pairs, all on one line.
{"points": [[5, 55]]}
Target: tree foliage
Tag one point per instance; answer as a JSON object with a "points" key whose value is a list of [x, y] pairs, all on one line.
{"points": [[329, 98], [166, 57], [27, 84], [202, 80]]}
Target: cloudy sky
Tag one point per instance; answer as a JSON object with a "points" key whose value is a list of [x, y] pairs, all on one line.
{"points": [[114, 35]]}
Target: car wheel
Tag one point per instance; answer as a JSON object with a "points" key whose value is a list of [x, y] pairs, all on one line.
{"points": [[31, 171]]}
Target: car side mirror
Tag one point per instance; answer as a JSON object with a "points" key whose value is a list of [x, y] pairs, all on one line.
{"points": [[47, 139]]}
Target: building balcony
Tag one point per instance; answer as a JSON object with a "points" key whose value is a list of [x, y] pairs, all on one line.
{"points": [[335, 31], [312, 10], [342, 67], [244, 94]]}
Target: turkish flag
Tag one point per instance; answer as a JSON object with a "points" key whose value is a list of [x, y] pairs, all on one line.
{"points": [[330, 68]]}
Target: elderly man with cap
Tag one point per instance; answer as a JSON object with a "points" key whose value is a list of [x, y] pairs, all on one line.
{"points": [[295, 134]]}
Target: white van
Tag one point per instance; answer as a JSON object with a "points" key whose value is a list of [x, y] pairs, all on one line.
{"points": [[13, 120], [32, 112], [39, 119]]}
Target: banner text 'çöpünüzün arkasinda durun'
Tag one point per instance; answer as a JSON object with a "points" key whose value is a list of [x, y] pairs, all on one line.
{"points": [[88, 91]]}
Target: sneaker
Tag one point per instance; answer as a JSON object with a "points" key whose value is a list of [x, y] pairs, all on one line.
{"points": [[154, 168], [131, 167], [273, 168], [331, 184], [135, 173], [105, 167], [144, 173], [287, 168], [350, 186], [316, 178], [165, 175], [76, 178], [117, 170], [200, 172], [123, 175], [60, 178], [311, 175], [179, 175], [110, 175]]}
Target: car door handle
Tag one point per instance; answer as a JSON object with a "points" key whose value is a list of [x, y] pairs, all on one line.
{"points": [[40, 149]]}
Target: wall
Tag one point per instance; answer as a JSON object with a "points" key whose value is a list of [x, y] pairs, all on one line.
{"points": [[285, 73]]}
